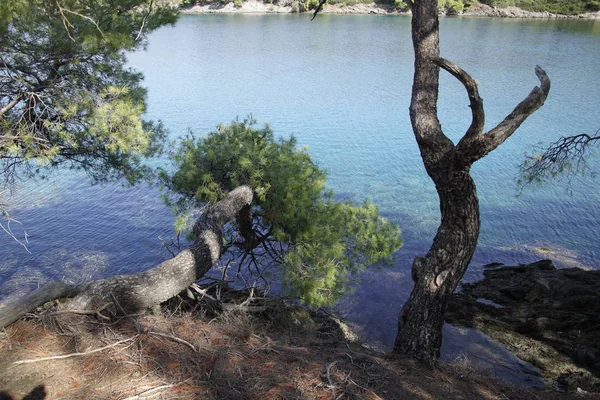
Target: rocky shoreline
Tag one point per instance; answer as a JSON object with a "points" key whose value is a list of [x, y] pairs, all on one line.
{"points": [[546, 316], [289, 6], [483, 10]]}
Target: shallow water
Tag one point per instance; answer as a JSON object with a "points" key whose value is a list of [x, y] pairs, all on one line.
{"points": [[342, 85]]}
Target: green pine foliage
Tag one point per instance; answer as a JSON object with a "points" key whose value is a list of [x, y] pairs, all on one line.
{"points": [[66, 96], [318, 241], [553, 6]]}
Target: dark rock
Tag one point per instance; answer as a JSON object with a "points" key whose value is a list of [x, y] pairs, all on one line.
{"points": [[550, 317]]}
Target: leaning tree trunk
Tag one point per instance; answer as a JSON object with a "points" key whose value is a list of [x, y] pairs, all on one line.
{"points": [[133, 293], [438, 273]]}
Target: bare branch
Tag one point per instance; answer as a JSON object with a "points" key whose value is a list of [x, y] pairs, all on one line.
{"points": [[85, 353], [10, 105], [174, 338], [522, 111], [7, 228], [66, 22], [328, 369], [318, 8], [97, 313], [476, 102], [566, 156], [144, 20]]}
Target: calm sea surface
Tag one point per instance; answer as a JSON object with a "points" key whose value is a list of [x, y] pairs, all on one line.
{"points": [[341, 85]]}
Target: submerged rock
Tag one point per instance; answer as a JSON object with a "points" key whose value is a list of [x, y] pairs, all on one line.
{"points": [[549, 317]]}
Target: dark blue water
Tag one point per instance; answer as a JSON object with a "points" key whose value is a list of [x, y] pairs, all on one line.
{"points": [[342, 85]]}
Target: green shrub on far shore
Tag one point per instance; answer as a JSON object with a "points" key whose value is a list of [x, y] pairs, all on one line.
{"points": [[553, 6], [448, 6], [401, 5], [312, 4], [451, 6]]}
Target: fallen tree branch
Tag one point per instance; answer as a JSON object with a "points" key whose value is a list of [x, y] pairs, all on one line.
{"points": [[149, 393], [331, 385], [96, 313], [175, 339], [85, 353]]}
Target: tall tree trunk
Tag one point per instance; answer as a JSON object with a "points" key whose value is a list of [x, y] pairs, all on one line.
{"points": [[438, 273]]}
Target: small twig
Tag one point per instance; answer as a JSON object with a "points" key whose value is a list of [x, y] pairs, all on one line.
{"points": [[329, 373], [87, 312], [202, 292], [65, 21], [167, 246], [351, 359], [62, 10], [149, 393], [8, 229], [175, 338], [266, 346], [357, 385], [85, 353], [144, 20], [117, 303], [239, 307]]}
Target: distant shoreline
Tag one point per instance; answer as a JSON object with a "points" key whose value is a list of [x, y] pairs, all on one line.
{"points": [[293, 7]]}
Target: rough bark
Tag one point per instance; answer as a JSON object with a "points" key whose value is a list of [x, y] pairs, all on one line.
{"points": [[244, 220], [54, 290], [438, 273], [132, 293]]}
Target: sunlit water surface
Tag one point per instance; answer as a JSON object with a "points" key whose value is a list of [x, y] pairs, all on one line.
{"points": [[341, 85]]}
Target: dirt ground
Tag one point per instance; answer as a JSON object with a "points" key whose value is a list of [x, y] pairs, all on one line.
{"points": [[285, 353]]}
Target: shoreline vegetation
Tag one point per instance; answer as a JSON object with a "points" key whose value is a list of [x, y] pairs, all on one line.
{"points": [[505, 9]]}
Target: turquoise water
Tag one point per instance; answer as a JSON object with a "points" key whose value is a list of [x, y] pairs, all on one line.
{"points": [[342, 85]]}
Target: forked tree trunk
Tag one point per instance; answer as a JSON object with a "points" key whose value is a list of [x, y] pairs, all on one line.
{"points": [[438, 273]]}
